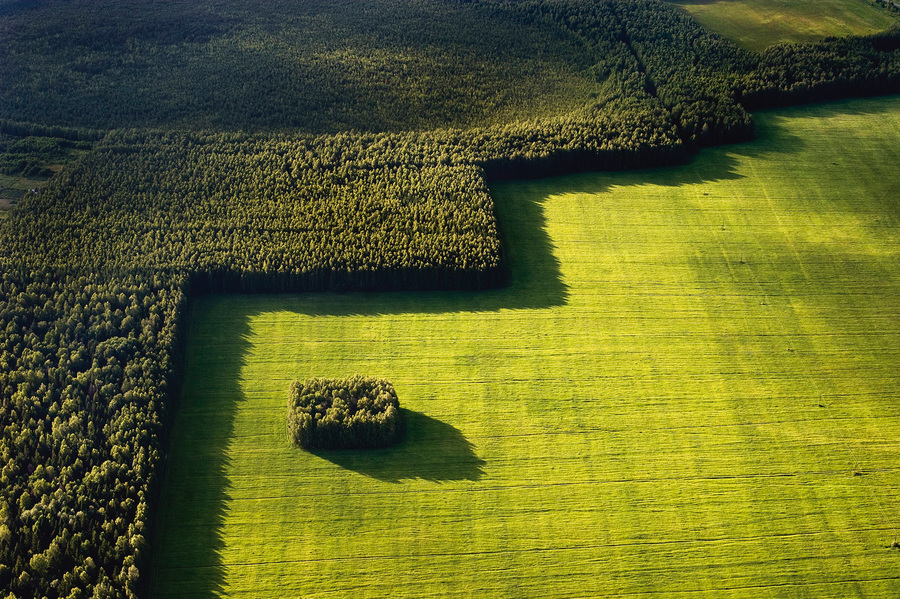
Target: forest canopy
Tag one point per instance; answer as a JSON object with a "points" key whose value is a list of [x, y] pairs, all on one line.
{"points": [[317, 66], [315, 146]]}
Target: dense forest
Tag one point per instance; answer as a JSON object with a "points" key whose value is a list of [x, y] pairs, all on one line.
{"points": [[315, 147], [87, 370], [318, 65]]}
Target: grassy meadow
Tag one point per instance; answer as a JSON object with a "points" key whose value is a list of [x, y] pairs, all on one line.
{"points": [[690, 389], [758, 24]]}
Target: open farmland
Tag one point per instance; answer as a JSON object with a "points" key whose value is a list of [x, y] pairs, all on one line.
{"points": [[758, 24], [690, 388]]}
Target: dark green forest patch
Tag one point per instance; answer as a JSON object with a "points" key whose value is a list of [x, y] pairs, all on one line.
{"points": [[28, 162], [356, 412], [316, 65]]}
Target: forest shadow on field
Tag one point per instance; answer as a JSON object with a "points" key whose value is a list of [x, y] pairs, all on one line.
{"points": [[189, 530], [430, 450], [534, 275], [828, 108], [189, 541], [774, 137], [709, 165]]}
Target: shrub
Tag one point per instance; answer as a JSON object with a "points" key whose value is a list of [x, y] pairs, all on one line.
{"points": [[352, 413]]}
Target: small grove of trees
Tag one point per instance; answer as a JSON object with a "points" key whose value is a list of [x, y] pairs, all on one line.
{"points": [[352, 413]]}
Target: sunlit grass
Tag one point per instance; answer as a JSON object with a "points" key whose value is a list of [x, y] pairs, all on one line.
{"points": [[758, 24], [690, 389]]}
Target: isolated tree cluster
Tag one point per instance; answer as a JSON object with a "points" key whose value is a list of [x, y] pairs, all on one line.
{"points": [[357, 412]]}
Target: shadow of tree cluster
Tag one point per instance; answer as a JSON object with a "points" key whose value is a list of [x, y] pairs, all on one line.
{"points": [[430, 450]]}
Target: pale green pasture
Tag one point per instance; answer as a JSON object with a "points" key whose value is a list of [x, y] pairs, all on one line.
{"points": [[691, 389], [758, 24]]}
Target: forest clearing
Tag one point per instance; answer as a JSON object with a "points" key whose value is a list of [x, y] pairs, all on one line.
{"points": [[688, 388], [758, 24]]}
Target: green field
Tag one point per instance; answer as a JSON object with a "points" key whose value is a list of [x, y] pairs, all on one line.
{"points": [[690, 389], [758, 24]]}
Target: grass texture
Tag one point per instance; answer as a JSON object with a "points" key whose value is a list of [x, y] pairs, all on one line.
{"points": [[690, 390], [758, 24]]}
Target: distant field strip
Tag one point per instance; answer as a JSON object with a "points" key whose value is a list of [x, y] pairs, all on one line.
{"points": [[758, 24], [691, 389]]}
